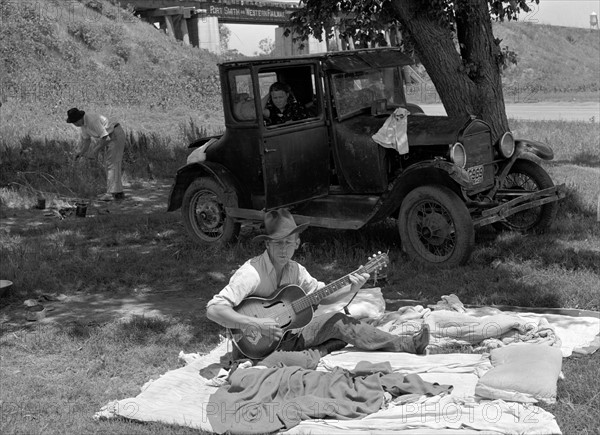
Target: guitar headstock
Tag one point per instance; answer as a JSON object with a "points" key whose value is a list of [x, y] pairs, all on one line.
{"points": [[376, 262]]}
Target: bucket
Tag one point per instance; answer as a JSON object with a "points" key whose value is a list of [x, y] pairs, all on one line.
{"points": [[41, 203], [5, 286], [81, 209]]}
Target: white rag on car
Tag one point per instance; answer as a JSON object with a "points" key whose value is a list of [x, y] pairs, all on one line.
{"points": [[199, 154], [392, 133]]}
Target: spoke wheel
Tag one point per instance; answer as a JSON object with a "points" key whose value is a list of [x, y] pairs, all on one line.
{"points": [[435, 226], [524, 177], [204, 213]]}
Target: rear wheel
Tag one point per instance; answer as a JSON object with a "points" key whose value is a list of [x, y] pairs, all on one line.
{"points": [[524, 177], [204, 213], [435, 226]]}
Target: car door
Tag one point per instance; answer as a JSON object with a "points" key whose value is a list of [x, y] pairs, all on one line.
{"points": [[295, 155]]}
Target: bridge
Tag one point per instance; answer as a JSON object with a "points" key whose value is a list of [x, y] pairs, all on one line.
{"points": [[197, 22], [227, 11]]}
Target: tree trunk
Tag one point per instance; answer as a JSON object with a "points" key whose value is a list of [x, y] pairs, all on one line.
{"points": [[468, 82]]}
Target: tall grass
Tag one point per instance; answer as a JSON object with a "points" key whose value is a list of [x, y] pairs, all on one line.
{"points": [[41, 165], [573, 142]]}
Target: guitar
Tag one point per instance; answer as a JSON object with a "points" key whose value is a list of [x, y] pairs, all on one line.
{"points": [[291, 308]]}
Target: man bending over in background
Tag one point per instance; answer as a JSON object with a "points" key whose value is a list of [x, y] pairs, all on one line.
{"points": [[107, 135]]}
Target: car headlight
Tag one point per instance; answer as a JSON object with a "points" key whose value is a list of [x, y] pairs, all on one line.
{"points": [[506, 146], [458, 155]]}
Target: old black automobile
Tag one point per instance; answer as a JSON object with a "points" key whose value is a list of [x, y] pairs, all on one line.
{"points": [[331, 173]]}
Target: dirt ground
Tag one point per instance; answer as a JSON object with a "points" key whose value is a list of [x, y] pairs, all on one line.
{"points": [[146, 198]]}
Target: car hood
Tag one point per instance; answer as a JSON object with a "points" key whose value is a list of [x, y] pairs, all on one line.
{"points": [[421, 129], [434, 130]]}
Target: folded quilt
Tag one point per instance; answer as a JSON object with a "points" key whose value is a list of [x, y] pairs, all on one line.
{"points": [[450, 328], [489, 331]]}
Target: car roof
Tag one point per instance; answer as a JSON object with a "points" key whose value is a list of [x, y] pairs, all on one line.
{"points": [[347, 61]]}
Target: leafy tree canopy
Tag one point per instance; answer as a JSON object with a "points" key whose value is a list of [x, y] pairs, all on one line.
{"points": [[452, 38], [367, 20]]}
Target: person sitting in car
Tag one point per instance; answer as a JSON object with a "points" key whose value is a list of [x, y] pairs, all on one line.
{"points": [[281, 106]]}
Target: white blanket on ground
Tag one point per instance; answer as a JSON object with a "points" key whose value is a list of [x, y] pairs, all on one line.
{"points": [[181, 397], [443, 415], [408, 363]]}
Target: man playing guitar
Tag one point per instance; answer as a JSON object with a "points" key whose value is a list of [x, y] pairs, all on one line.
{"points": [[261, 277]]}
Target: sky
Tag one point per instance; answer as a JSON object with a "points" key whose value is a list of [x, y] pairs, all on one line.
{"points": [[572, 13]]}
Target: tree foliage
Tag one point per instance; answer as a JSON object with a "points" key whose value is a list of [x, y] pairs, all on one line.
{"points": [[452, 38], [266, 46], [224, 36]]}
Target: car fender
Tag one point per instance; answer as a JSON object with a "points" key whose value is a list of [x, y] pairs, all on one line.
{"points": [[528, 146], [427, 172], [188, 173]]}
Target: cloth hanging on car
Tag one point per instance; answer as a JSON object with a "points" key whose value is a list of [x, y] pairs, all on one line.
{"points": [[392, 133], [199, 154]]}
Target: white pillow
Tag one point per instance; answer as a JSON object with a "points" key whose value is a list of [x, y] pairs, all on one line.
{"points": [[522, 373]]}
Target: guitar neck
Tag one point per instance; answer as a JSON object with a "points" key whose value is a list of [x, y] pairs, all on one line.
{"points": [[315, 297]]}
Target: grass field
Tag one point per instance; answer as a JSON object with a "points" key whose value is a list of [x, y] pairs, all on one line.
{"points": [[54, 377]]}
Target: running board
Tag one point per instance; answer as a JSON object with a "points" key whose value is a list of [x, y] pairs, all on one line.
{"points": [[244, 215], [344, 212]]}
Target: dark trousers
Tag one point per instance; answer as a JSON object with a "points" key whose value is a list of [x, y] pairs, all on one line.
{"points": [[298, 349], [342, 327]]}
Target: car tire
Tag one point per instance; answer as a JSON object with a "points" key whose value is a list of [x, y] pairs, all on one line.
{"points": [[531, 177], [204, 215], [435, 227]]}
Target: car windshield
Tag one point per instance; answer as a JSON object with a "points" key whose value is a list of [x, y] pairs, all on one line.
{"points": [[354, 92]]}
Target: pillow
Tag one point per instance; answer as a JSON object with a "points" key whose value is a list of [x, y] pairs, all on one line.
{"points": [[522, 373]]}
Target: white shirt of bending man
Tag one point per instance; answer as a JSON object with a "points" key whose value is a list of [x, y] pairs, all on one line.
{"points": [[95, 127]]}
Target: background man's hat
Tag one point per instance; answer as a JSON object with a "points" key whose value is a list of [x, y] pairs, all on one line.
{"points": [[279, 224], [74, 115]]}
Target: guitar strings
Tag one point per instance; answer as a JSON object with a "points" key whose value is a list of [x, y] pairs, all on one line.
{"points": [[300, 304], [294, 306]]}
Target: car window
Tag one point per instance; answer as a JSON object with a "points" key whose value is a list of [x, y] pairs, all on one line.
{"points": [[241, 95], [299, 85], [357, 91]]}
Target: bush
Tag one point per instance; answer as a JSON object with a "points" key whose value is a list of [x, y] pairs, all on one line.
{"points": [[71, 52], [123, 51], [115, 62], [115, 32], [88, 33]]}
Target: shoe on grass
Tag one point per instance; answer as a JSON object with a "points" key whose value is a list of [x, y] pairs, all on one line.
{"points": [[421, 340], [330, 346], [106, 197]]}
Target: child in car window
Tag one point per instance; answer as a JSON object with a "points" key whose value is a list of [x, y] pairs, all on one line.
{"points": [[282, 106]]}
